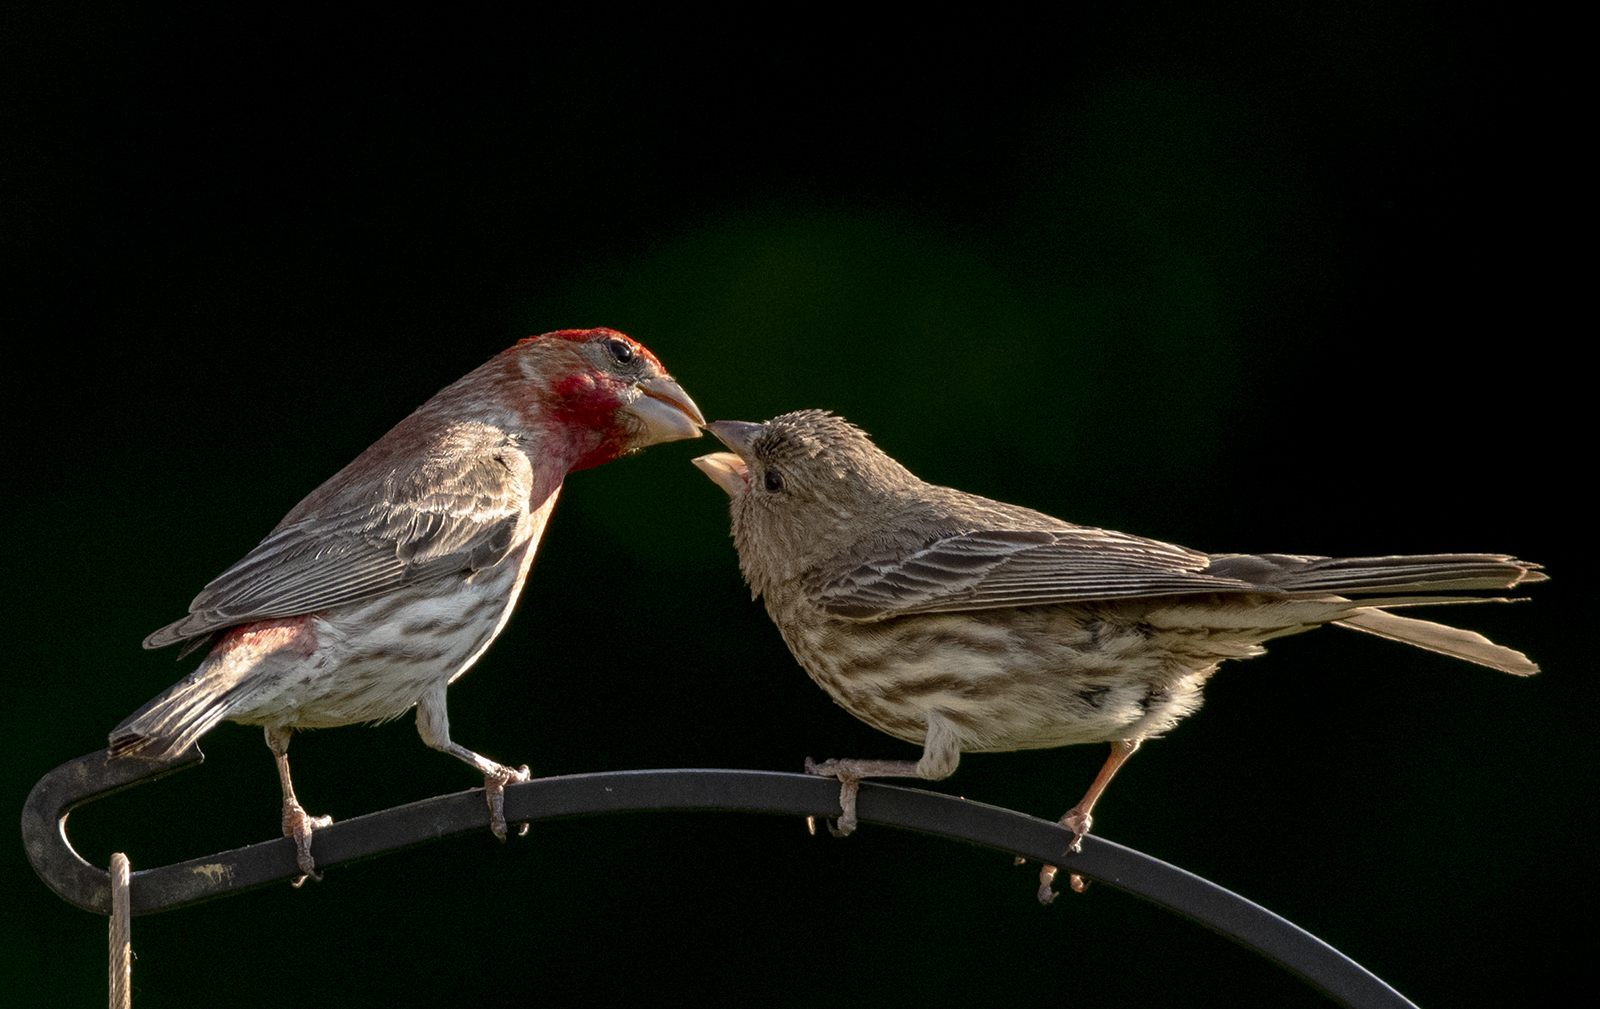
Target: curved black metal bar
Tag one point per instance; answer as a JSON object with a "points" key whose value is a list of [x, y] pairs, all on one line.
{"points": [[76, 782]]}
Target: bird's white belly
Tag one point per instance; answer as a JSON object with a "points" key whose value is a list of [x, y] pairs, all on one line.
{"points": [[375, 659]]}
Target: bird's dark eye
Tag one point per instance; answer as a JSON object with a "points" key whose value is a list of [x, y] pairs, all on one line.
{"points": [[774, 481], [621, 352]]}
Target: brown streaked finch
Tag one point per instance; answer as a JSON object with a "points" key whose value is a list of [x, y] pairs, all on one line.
{"points": [[971, 625], [388, 581]]}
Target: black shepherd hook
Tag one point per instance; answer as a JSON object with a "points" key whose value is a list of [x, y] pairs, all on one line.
{"points": [[44, 832]]}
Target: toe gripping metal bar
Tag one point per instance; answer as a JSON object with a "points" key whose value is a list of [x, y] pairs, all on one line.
{"points": [[44, 832]]}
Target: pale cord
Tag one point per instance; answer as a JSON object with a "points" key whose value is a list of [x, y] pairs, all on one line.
{"points": [[121, 948]]}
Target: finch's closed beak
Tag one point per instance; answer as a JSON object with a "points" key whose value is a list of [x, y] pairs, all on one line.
{"points": [[666, 411]]}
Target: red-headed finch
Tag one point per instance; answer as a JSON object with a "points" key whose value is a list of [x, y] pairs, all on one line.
{"points": [[388, 581], [966, 624]]}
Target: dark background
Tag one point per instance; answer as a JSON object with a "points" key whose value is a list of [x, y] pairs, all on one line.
{"points": [[1246, 280]]}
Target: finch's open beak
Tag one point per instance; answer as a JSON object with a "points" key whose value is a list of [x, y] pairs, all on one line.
{"points": [[727, 470], [665, 411]]}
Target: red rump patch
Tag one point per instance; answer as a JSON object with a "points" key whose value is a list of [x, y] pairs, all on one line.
{"points": [[270, 636]]}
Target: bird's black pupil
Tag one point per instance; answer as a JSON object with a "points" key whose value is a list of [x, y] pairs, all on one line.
{"points": [[619, 350], [774, 481]]}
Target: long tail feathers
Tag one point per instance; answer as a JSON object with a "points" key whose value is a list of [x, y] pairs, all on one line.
{"points": [[171, 723], [1348, 576], [1445, 640]]}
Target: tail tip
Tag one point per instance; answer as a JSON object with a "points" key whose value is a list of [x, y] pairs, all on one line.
{"points": [[125, 744]]}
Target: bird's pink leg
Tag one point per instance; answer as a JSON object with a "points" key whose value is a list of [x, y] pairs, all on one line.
{"points": [[433, 725], [1078, 818], [296, 822], [850, 772], [941, 754]]}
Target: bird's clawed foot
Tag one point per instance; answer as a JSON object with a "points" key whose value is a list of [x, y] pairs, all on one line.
{"points": [[1077, 820], [849, 785], [494, 791], [1047, 878], [298, 824]]}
